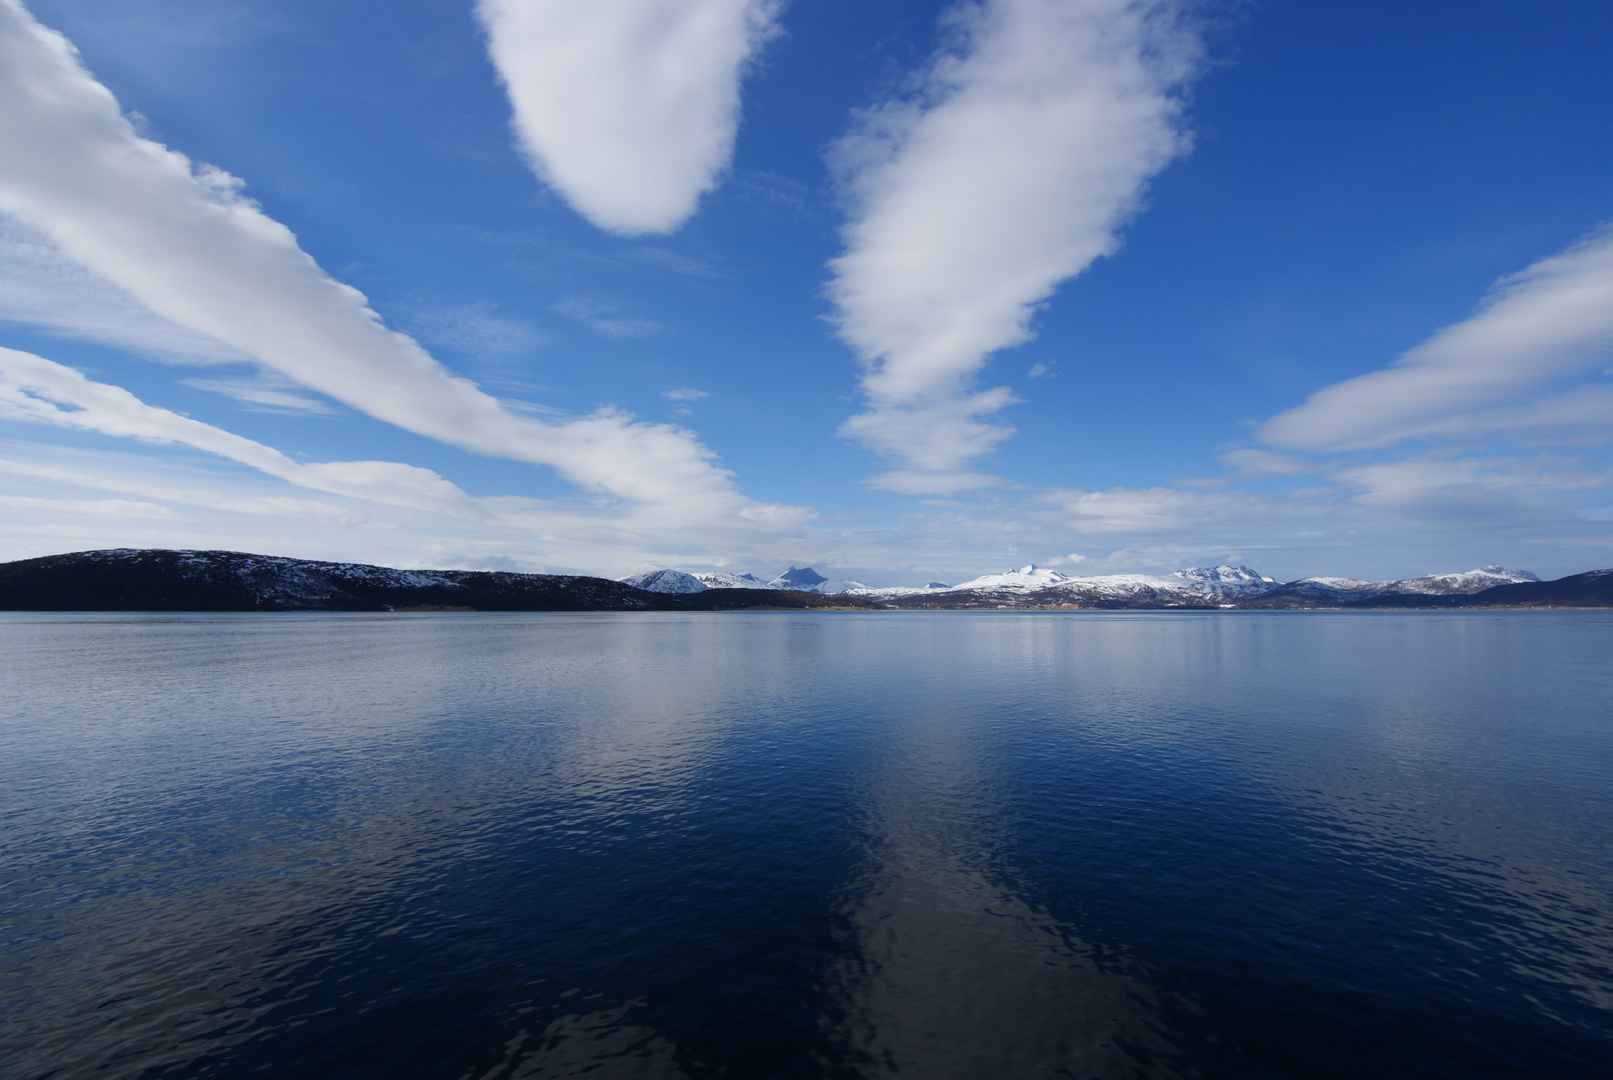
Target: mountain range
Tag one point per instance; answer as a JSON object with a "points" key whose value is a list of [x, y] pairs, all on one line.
{"points": [[163, 580], [1035, 586], [128, 579]]}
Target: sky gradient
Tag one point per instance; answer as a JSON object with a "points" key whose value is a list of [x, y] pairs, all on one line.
{"points": [[904, 291]]}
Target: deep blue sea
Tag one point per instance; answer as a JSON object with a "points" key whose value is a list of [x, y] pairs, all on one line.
{"points": [[930, 845]]}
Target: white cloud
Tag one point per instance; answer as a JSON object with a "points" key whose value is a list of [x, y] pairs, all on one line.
{"points": [[685, 393], [1008, 170], [69, 499], [1258, 462], [935, 438], [263, 391], [39, 286], [1583, 414], [33, 388], [628, 108], [1553, 320], [190, 248]]}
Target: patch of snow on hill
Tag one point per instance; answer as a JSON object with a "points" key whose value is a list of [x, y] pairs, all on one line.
{"points": [[1224, 581], [1466, 583], [1342, 590], [717, 579], [1039, 585], [1028, 578], [666, 581], [798, 579], [869, 592], [803, 579]]}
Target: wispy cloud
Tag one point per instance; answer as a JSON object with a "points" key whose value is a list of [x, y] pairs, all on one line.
{"points": [[189, 247], [263, 391], [1009, 168], [1551, 321], [1494, 427], [627, 108], [582, 535], [41, 287], [666, 259], [35, 389], [476, 330], [1256, 462], [684, 393], [606, 320]]}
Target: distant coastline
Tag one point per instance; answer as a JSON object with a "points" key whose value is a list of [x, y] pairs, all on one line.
{"points": [[164, 580]]}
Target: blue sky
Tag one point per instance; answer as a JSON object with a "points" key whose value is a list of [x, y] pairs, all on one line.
{"points": [[905, 291]]}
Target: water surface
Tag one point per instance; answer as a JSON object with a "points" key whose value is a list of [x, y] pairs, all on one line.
{"points": [[948, 844]]}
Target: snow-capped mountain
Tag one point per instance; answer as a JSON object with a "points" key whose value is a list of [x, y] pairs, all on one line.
{"points": [[806, 579], [1023, 579], [797, 579], [163, 580], [127, 579], [1041, 586], [893, 591], [716, 579], [666, 581], [1226, 581], [1333, 591], [1471, 581]]}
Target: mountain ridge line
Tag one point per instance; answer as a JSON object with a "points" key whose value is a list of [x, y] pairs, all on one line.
{"points": [[177, 580]]}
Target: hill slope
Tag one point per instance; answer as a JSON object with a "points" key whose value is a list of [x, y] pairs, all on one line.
{"points": [[161, 580]]}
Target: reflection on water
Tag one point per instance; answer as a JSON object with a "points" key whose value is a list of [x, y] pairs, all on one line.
{"points": [[806, 845], [947, 973], [604, 1044]]}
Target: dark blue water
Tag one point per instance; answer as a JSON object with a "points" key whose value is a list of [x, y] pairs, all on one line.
{"points": [[807, 845]]}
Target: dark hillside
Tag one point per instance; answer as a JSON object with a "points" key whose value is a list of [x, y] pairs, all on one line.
{"points": [[1593, 589], [159, 580]]}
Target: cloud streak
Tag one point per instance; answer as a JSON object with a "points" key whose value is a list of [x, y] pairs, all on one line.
{"points": [[39, 390], [1553, 320], [1008, 169], [627, 108], [448, 525], [189, 247], [41, 287]]}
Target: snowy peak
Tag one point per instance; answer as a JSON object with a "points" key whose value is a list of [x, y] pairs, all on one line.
{"points": [[804, 579], [1501, 571], [666, 581], [162, 580], [1222, 580], [1470, 581], [795, 579], [1240, 575], [717, 579], [1039, 586], [1026, 578]]}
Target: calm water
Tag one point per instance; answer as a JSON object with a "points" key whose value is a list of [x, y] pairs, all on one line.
{"points": [[926, 845]]}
